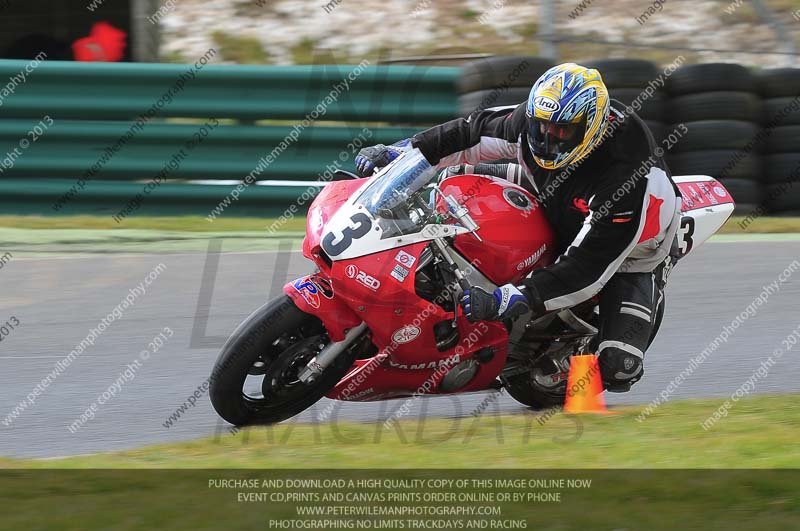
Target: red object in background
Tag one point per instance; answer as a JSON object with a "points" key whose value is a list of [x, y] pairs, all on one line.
{"points": [[104, 44]]}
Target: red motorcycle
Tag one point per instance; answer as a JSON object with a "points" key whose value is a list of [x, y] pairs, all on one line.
{"points": [[381, 319]]}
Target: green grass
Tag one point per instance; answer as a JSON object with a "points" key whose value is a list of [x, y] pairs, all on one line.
{"points": [[201, 224], [760, 432]]}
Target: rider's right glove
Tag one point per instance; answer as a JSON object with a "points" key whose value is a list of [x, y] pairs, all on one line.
{"points": [[379, 156], [506, 302]]}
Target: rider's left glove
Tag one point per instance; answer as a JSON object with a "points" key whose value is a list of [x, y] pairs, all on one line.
{"points": [[378, 156], [506, 302]]}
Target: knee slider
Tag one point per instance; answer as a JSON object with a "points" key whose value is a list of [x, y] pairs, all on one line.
{"points": [[619, 368]]}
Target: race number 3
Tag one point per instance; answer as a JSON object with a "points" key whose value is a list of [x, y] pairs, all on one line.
{"points": [[685, 233], [335, 244]]}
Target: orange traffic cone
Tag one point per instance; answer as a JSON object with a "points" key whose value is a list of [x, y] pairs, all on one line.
{"points": [[584, 386]]}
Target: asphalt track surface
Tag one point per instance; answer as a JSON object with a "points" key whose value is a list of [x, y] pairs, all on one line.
{"points": [[58, 300]]}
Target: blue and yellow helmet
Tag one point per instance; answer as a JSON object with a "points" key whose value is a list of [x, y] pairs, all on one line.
{"points": [[567, 115]]}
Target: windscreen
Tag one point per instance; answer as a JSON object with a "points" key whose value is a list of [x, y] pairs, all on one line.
{"points": [[397, 197]]}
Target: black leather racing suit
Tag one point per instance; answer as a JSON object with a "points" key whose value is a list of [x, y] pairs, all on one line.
{"points": [[615, 214]]}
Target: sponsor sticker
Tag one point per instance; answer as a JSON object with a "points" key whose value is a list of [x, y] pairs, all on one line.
{"points": [[546, 103], [720, 191], [399, 273], [407, 334], [532, 259], [324, 286], [446, 362], [308, 290], [405, 258], [362, 277]]}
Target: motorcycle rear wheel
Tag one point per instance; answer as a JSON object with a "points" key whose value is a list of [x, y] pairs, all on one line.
{"points": [[521, 389], [272, 345]]}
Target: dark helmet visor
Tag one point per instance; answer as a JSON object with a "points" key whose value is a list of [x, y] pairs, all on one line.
{"points": [[549, 139]]}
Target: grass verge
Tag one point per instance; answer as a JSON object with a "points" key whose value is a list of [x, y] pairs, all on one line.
{"points": [[760, 432]]}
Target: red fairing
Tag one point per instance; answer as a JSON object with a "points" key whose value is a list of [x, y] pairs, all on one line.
{"points": [[324, 206], [379, 289], [314, 294], [516, 235]]}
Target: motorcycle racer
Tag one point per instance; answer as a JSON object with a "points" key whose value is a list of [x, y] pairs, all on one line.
{"points": [[606, 191]]}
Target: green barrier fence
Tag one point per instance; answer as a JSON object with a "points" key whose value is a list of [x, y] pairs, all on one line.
{"points": [[126, 122], [68, 149], [108, 198], [119, 91]]}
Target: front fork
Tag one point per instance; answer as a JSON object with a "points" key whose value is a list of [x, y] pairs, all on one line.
{"points": [[313, 295], [328, 355]]}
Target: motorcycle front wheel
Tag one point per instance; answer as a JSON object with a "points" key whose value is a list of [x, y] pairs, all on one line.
{"points": [[255, 379]]}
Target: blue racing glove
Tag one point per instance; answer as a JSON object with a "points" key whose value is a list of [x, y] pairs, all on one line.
{"points": [[379, 156], [506, 302]]}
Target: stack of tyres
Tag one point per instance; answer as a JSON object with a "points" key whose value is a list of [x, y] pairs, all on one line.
{"points": [[498, 81], [633, 83], [780, 90], [720, 110]]}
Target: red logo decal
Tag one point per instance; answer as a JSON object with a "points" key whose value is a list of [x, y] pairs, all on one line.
{"points": [[580, 205]]}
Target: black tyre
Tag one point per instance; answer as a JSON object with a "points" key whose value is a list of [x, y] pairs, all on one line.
{"points": [[726, 164], [624, 73], [484, 99], [716, 134], [782, 168], [742, 106], [501, 71], [783, 140], [652, 108], [691, 79], [254, 380], [780, 111], [778, 82], [521, 390]]}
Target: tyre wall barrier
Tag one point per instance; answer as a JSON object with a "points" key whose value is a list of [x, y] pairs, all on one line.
{"points": [[741, 126]]}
